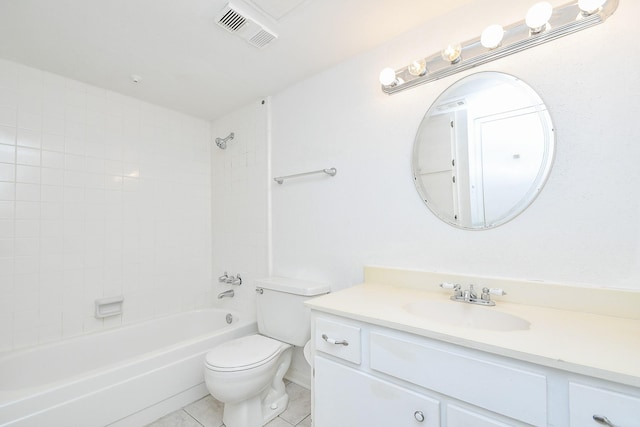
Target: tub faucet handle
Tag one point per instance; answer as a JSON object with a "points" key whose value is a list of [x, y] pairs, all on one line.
{"points": [[223, 278]]}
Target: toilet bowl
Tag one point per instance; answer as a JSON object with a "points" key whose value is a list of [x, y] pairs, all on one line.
{"points": [[246, 374]]}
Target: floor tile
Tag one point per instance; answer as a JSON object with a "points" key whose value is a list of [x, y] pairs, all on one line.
{"points": [[299, 404], [175, 419], [207, 411], [278, 422], [305, 423]]}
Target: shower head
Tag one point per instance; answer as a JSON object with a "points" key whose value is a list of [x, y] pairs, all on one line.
{"points": [[222, 142]]}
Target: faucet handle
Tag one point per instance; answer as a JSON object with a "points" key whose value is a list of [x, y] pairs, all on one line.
{"points": [[223, 278], [447, 285], [496, 291]]}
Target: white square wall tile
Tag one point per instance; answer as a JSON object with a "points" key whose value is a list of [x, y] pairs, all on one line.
{"points": [[28, 156], [27, 228], [6, 248], [29, 138], [7, 209], [8, 135], [27, 192], [53, 159], [52, 142], [49, 176], [27, 210], [53, 123], [31, 120], [51, 193], [7, 172], [7, 153], [28, 174], [27, 247], [52, 210], [7, 191]]}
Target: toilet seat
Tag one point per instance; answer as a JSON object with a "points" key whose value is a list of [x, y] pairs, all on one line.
{"points": [[244, 353]]}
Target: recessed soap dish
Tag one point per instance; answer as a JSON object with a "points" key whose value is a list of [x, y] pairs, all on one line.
{"points": [[107, 307]]}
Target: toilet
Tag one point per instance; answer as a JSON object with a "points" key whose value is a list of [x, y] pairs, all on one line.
{"points": [[246, 374]]}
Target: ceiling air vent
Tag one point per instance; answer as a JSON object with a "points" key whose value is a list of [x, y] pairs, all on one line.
{"points": [[239, 22]]}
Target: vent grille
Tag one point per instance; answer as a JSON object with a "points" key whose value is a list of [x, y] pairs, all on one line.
{"points": [[241, 23], [232, 21], [262, 38]]}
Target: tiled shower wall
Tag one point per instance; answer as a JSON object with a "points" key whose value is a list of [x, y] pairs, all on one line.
{"points": [[240, 185], [100, 195]]}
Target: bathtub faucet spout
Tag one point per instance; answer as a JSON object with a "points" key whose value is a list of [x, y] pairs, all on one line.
{"points": [[226, 294]]}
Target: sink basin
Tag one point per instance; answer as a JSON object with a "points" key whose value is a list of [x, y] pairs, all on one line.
{"points": [[466, 315]]}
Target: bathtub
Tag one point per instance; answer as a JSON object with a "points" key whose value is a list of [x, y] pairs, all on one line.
{"points": [[126, 376]]}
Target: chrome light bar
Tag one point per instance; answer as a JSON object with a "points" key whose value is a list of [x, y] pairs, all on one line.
{"points": [[564, 20]]}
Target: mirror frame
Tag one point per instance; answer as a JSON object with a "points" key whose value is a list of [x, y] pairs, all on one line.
{"points": [[543, 171]]}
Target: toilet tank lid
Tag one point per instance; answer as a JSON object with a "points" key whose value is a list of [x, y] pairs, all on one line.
{"points": [[293, 286]]}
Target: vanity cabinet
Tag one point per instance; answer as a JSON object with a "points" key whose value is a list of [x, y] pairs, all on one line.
{"points": [[367, 375]]}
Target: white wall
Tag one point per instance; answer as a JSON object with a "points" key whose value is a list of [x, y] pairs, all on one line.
{"points": [[239, 204], [100, 195], [583, 229]]}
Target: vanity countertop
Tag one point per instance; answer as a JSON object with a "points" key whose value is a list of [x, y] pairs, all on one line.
{"points": [[597, 345]]}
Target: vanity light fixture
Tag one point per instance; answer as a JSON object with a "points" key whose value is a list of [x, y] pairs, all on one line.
{"points": [[589, 7], [388, 78], [417, 67], [492, 36], [542, 24], [452, 53], [538, 16]]}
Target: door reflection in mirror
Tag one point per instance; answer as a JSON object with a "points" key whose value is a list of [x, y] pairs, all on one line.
{"points": [[483, 151]]}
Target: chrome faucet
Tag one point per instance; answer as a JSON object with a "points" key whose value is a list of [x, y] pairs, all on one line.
{"points": [[232, 280], [226, 294], [470, 295]]}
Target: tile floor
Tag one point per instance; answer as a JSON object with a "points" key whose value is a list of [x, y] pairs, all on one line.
{"points": [[207, 412]]}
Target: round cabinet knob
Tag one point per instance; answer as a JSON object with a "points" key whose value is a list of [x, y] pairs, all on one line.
{"points": [[419, 416]]}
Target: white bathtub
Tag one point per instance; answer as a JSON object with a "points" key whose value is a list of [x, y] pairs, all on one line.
{"points": [[125, 376]]}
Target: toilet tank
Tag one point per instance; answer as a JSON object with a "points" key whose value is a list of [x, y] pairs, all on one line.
{"points": [[281, 312]]}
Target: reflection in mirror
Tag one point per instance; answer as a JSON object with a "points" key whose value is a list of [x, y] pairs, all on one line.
{"points": [[483, 151]]}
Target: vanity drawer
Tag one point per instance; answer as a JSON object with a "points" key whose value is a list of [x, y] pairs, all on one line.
{"points": [[585, 402], [338, 339], [507, 390]]}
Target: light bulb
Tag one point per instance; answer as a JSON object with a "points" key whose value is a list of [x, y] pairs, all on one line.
{"points": [[452, 53], [418, 67], [538, 16], [492, 36], [388, 77], [589, 7]]}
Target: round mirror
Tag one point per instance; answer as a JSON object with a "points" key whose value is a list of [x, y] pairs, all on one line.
{"points": [[483, 151]]}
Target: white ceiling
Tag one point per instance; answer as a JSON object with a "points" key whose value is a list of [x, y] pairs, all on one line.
{"points": [[186, 61]]}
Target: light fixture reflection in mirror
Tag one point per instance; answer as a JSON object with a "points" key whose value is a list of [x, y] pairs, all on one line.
{"points": [[483, 151]]}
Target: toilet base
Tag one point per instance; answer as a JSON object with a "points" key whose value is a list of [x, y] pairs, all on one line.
{"points": [[275, 408], [254, 412]]}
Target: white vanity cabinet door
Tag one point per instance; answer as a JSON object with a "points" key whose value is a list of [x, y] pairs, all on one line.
{"points": [[584, 402], [461, 417], [345, 397]]}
